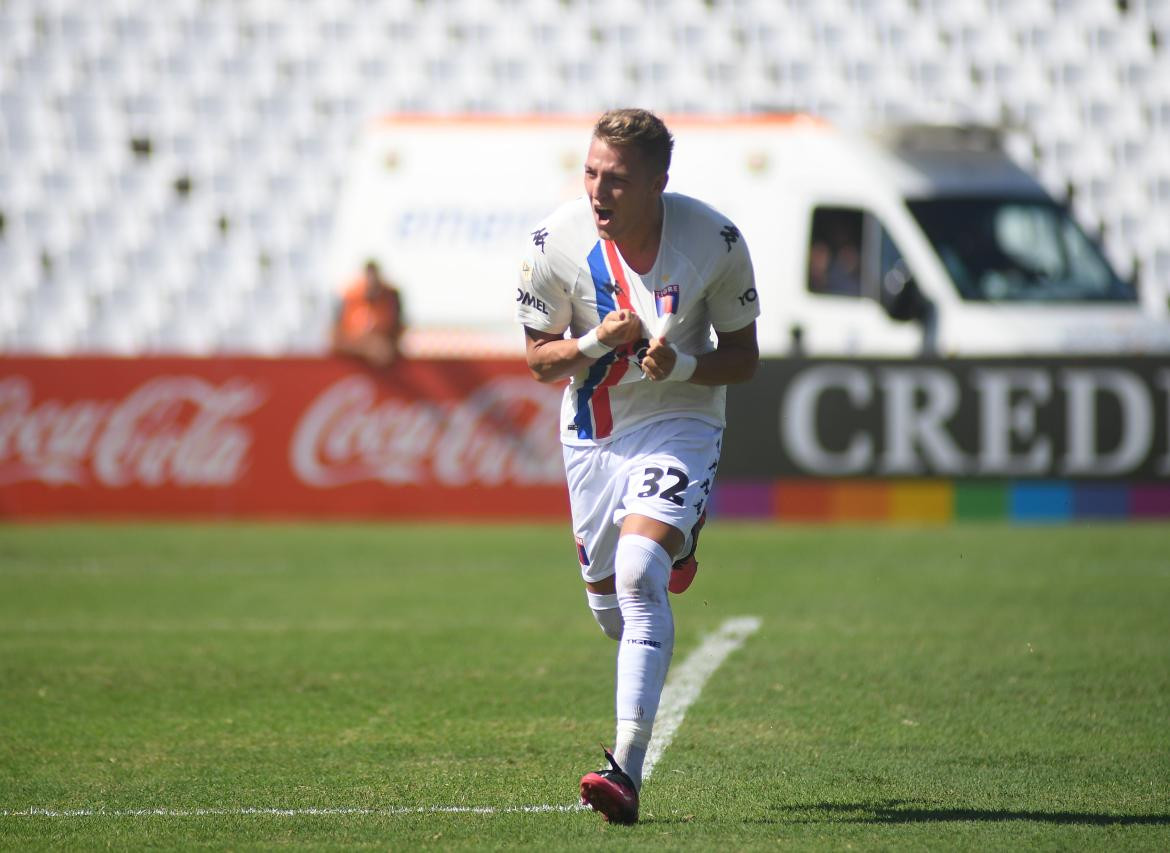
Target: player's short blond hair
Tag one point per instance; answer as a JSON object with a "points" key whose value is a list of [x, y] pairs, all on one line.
{"points": [[641, 129]]}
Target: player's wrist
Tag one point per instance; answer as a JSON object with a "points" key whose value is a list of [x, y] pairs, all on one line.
{"points": [[592, 346], [684, 367]]}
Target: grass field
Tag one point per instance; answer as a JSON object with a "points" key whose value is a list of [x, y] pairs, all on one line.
{"points": [[968, 687]]}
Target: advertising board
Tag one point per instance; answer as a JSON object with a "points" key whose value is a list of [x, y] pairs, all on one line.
{"points": [[289, 437]]}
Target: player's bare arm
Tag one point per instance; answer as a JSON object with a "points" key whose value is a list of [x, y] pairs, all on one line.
{"points": [[554, 357], [733, 360]]}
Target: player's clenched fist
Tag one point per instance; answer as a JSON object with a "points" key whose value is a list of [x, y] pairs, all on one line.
{"points": [[659, 360], [619, 327]]}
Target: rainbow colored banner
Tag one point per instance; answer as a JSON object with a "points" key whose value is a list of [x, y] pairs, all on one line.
{"points": [[940, 501]]}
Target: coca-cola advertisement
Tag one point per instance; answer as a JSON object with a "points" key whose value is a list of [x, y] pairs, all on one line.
{"points": [[280, 438]]}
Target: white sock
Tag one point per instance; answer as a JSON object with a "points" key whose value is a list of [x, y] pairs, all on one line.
{"points": [[643, 570], [606, 612]]}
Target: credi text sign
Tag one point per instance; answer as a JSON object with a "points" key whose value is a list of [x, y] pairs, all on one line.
{"points": [[992, 419], [256, 437]]}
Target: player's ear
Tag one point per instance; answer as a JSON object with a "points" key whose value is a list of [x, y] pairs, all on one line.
{"points": [[660, 182]]}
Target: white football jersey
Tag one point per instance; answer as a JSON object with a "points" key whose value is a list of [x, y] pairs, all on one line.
{"points": [[701, 280]]}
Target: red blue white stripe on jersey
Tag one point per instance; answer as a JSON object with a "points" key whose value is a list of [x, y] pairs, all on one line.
{"points": [[594, 418], [666, 299]]}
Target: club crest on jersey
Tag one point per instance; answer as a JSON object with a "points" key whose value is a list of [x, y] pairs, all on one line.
{"points": [[666, 299]]}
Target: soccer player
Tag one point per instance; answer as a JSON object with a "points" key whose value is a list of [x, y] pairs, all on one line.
{"points": [[638, 277]]}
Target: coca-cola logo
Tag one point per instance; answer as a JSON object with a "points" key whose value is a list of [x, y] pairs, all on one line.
{"points": [[173, 430], [503, 433]]}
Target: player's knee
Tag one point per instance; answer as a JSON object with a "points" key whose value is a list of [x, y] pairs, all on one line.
{"points": [[637, 583], [643, 568], [608, 614]]}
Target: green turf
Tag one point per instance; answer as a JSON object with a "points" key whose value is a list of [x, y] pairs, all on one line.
{"points": [[970, 687]]}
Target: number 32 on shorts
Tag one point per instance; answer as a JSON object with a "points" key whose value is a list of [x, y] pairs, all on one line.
{"points": [[669, 484]]}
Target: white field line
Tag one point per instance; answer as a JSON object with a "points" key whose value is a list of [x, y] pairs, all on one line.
{"points": [[685, 683], [393, 811]]}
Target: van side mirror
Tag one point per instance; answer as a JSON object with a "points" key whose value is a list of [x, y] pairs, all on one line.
{"points": [[900, 295]]}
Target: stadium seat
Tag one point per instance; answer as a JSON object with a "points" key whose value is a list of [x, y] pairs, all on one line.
{"points": [[260, 101]]}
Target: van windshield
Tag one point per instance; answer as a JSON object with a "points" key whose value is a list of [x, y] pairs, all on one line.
{"points": [[1018, 250]]}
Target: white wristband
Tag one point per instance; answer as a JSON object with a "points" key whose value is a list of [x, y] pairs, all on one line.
{"points": [[589, 345], [684, 367]]}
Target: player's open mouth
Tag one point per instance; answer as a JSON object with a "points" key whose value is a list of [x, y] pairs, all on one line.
{"points": [[603, 214]]}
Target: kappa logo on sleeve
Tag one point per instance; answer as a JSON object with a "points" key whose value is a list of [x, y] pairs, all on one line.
{"points": [[730, 235]]}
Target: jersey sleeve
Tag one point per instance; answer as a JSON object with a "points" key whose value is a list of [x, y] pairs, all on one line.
{"points": [[732, 300], [543, 286]]}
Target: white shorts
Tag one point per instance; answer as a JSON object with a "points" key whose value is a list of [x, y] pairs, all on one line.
{"points": [[665, 471]]}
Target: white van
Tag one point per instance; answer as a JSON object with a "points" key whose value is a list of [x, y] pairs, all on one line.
{"points": [[915, 241]]}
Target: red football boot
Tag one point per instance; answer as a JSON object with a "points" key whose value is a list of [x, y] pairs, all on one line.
{"points": [[610, 792], [683, 571]]}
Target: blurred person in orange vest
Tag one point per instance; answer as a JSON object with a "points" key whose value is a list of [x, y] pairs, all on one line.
{"points": [[368, 323]]}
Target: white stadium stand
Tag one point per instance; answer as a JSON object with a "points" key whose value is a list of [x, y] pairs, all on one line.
{"points": [[168, 171]]}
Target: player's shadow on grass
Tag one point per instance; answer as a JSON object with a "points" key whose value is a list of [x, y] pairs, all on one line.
{"points": [[903, 811]]}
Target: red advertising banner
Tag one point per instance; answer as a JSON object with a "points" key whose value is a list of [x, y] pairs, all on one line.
{"points": [[173, 437]]}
